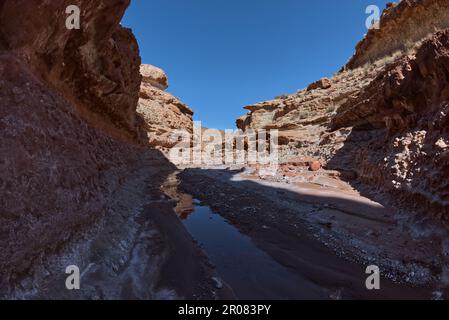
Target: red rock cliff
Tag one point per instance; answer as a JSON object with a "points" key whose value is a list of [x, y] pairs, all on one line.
{"points": [[383, 119], [402, 27], [67, 114], [96, 68]]}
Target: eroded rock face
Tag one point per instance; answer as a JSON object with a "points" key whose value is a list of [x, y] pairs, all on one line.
{"points": [[402, 27], [303, 118], [67, 115], [154, 76], [57, 172], [163, 113], [403, 117], [407, 89], [323, 83], [386, 123], [96, 68]]}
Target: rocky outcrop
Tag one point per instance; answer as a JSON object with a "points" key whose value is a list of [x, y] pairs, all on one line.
{"points": [[324, 83], [303, 118], [154, 76], [384, 124], [403, 27], [79, 182], [163, 113], [67, 114], [96, 68], [400, 133]]}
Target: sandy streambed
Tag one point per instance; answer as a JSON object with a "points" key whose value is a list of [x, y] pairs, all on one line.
{"points": [[326, 239]]}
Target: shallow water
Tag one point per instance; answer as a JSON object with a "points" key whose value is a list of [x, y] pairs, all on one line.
{"points": [[249, 271]]}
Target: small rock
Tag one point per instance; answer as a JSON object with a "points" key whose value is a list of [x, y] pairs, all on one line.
{"points": [[315, 166], [336, 295], [437, 295], [441, 144], [323, 83], [218, 283], [154, 76]]}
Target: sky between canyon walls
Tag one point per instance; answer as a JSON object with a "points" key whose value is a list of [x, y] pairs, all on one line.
{"points": [[221, 55]]}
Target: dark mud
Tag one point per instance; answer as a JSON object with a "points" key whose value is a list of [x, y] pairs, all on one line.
{"points": [[305, 268], [252, 273]]}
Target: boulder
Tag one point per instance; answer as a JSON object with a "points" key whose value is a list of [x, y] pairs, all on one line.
{"points": [[154, 76], [315, 166], [163, 114], [323, 83]]}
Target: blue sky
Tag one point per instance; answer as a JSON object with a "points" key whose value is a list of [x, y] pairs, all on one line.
{"points": [[221, 55]]}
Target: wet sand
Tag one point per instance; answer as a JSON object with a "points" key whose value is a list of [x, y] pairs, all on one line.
{"points": [[243, 239], [317, 269]]}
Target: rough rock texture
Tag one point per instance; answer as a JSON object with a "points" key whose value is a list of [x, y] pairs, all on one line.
{"points": [[79, 183], [96, 68], [162, 112], [400, 126], [154, 76], [324, 83], [385, 123], [402, 28], [66, 96], [302, 118]]}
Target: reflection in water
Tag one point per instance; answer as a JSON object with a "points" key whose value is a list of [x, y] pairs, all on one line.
{"points": [[255, 275], [184, 207], [250, 272], [184, 202]]}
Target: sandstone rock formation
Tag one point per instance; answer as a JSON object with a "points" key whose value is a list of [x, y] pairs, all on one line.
{"points": [[162, 112], [96, 68], [402, 28], [76, 161], [382, 119], [400, 128], [154, 76], [324, 83], [302, 118], [70, 131]]}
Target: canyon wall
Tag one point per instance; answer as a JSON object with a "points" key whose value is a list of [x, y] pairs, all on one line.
{"points": [[402, 28], [95, 68], [383, 123], [163, 113], [400, 133], [71, 134]]}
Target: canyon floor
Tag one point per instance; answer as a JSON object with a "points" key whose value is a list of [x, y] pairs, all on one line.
{"points": [[324, 236], [227, 233]]}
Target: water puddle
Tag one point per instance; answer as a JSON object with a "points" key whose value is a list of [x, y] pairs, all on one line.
{"points": [[250, 272], [255, 275]]}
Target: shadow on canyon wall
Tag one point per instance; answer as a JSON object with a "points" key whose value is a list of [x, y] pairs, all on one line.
{"points": [[400, 128]]}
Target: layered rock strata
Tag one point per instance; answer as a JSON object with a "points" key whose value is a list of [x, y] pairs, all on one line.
{"points": [[72, 144], [163, 113], [70, 131], [381, 120]]}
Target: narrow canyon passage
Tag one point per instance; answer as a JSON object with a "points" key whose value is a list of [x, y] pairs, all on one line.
{"points": [[215, 234], [106, 171]]}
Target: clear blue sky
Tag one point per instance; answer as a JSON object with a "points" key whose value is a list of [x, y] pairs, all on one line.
{"points": [[221, 55]]}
